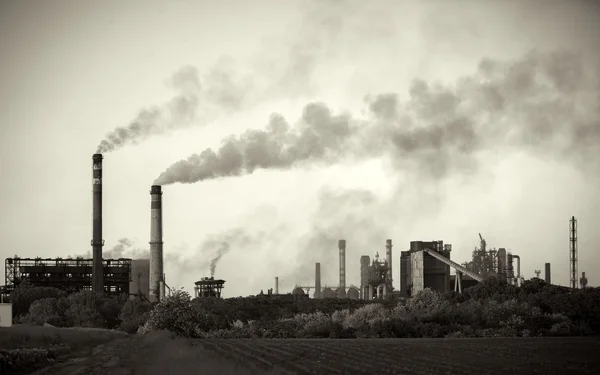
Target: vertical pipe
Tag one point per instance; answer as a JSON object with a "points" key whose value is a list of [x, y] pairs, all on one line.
{"points": [[156, 243], [388, 258], [573, 252], [518, 278], [342, 248], [276, 285], [364, 275], [97, 241], [547, 277], [317, 280]]}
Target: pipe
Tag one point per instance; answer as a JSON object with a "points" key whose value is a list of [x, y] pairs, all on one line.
{"points": [[388, 258], [317, 281], [342, 248], [276, 285], [156, 244], [97, 241], [547, 277], [518, 269], [161, 290], [169, 288]]}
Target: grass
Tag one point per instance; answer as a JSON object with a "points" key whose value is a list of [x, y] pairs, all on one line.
{"points": [[24, 348], [28, 337]]}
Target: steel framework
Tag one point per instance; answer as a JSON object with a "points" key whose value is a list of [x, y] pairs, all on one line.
{"points": [[70, 275], [573, 252]]}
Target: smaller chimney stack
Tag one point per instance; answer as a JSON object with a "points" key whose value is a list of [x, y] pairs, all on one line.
{"points": [[547, 274], [388, 258], [317, 281], [342, 248], [276, 285]]}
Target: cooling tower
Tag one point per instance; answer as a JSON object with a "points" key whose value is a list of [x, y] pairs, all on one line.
{"points": [[156, 243], [317, 281], [342, 247], [388, 258], [547, 274], [97, 241]]}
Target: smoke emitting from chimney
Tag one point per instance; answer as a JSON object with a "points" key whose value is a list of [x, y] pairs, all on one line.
{"points": [[439, 129], [179, 112], [97, 241], [156, 243]]}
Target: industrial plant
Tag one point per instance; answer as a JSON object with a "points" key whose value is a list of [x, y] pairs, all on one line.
{"points": [[424, 264]]}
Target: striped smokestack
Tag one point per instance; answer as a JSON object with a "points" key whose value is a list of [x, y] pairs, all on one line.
{"points": [[317, 294], [156, 243], [342, 247], [97, 241]]}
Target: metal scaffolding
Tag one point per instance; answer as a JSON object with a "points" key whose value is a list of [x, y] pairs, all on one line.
{"points": [[70, 275]]}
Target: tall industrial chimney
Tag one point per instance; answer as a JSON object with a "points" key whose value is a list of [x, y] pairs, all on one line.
{"points": [[97, 241], [388, 258], [342, 247], [317, 280], [156, 243], [547, 274], [276, 285]]}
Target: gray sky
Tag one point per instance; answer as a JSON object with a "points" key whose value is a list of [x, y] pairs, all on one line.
{"points": [[194, 72]]}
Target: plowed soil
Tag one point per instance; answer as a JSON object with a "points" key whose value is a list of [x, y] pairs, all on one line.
{"points": [[161, 353]]}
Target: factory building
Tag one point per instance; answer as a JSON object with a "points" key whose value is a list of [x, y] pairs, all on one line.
{"points": [[209, 287], [376, 275], [420, 270], [139, 286], [70, 275]]}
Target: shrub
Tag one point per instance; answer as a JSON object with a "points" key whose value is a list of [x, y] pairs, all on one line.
{"points": [[47, 310], [21, 360], [25, 294], [427, 303], [430, 330], [134, 314], [313, 325], [178, 314], [368, 321], [83, 310]]}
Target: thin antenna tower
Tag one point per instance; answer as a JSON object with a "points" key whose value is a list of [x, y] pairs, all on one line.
{"points": [[573, 252]]}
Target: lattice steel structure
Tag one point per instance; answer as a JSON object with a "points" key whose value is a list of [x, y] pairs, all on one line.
{"points": [[573, 252], [209, 287], [70, 275]]}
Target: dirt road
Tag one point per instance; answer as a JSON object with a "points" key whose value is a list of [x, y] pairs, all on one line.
{"points": [[161, 353]]}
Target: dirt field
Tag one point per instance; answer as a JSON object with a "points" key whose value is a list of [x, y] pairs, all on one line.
{"points": [[161, 353], [419, 356]]}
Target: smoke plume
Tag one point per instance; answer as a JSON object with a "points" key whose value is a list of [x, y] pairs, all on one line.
{"points": [[219, 245], [547, 103], [179, 112], [225, 88], [214, 247]]}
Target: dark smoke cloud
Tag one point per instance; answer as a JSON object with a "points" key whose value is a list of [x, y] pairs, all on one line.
{"points": [[546, 103], [224, 88]]}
